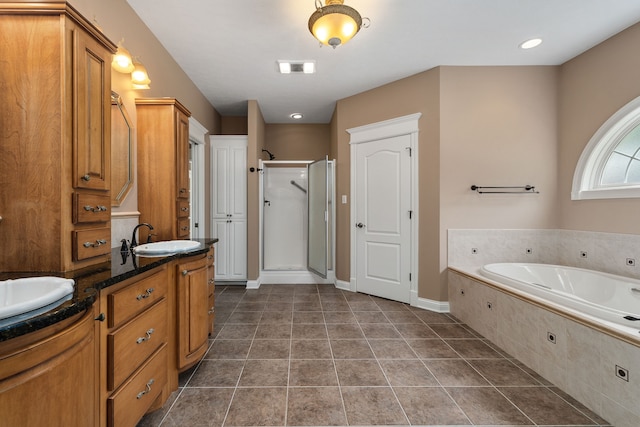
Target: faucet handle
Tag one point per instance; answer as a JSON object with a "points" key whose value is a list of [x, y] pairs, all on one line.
{"points": [[124, 247], [149, 237]]}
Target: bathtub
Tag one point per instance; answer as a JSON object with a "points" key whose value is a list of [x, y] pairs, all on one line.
{"points": [[601, 296]]}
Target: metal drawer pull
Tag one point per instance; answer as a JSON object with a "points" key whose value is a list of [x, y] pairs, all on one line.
{"points": [[147, 294], [148, 389], [185, 228], [86, 177], [183, 190], [212, 310], [99, 242], [212, 281], [147, 338], [98, 208], [184, 209]]}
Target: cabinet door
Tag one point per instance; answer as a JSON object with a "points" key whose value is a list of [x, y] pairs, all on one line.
{"points": [[92, 110], [193, 307], [182, 155], [238, 250], [237, 190], [220, 177], [222, 254]]}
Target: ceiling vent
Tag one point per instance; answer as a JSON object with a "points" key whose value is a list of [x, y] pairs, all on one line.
{"points": [[297, 67]]}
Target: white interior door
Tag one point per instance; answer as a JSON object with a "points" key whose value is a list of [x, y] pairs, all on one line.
{"points": [[318, 208], [383, 217]]}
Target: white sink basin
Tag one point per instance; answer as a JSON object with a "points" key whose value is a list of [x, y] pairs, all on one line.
{"points": [[20, 296], [165, 248]]}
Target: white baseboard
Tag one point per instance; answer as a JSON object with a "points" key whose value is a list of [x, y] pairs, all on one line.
{"points": [[343, 285], [253, 284], [429, 304], [274, 277]]}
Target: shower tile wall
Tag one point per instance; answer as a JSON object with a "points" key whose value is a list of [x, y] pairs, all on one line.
{"points": [[607, 252]]}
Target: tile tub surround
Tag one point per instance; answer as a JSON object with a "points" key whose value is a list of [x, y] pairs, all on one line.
{"points": [[607, 252], [580, 360], [315, 355]]}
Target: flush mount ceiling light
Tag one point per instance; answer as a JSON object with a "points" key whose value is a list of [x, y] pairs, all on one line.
{"points": [[531, 43], [296, 116], [292, 67], [335, 24]]}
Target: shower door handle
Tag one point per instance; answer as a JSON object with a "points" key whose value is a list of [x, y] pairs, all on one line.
{"points": [[360, 225]]}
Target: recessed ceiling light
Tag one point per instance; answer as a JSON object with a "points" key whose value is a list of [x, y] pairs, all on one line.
{"points": [[293, 67], [296, 116], [531, 43]]}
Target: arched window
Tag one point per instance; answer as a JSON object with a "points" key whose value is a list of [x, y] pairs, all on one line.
{"points": [[609, 167]]}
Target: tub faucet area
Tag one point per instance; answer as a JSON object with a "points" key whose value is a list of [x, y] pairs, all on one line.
{"points": [[134, 242]]}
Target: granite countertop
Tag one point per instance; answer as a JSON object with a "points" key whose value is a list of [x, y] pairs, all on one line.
{"points": [[88, 283]]}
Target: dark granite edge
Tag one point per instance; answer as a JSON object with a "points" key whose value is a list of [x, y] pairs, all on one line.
{"points": [[88, 284]]}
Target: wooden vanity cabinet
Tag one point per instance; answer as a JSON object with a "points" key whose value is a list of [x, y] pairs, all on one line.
{"points": [[212, 289], [136, 339], [163, 167], [192, 293], [56, 125], [49, 377]]}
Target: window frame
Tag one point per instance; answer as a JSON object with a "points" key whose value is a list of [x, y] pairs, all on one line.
{"points": [[586, 178]]}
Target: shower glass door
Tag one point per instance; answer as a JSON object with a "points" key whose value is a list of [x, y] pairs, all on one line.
{"points": [[318, 211]]}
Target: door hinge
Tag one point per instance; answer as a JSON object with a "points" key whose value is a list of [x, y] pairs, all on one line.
{"points": [[409, 148], [410, 214], [409, 276], [195, 225]]}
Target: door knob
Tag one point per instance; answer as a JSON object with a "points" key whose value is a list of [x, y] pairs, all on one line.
{"points": [[360, 225]]}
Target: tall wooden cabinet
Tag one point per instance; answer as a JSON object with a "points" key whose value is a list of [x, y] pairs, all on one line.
{"points": [[229, 205], [55, 205], [163, 167]]}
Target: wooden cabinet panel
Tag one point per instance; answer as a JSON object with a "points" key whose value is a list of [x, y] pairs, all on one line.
{"points": [[63, 361], [128, 404], [163, 166], [92, 140], [129, 301], [56, 83], [91, 243], [88, 208], [130, 345], [193, 311]]}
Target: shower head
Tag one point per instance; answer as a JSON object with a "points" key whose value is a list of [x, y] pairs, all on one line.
{"points": [[271, 156]]}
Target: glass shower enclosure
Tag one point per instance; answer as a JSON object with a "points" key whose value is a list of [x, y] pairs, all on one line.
{"points": [[297, 212]]}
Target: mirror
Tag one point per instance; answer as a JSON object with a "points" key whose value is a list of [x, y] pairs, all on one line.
{"points": [[121, 146]]}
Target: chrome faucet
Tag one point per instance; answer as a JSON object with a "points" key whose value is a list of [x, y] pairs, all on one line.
{"points": [[134, 242]]}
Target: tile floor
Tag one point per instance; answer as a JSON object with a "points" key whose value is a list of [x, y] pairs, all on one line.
{"points": [[313, 355]]}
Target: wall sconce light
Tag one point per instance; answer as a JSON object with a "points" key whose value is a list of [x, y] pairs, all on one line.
{"points": [[122, 61], [139, 76]]}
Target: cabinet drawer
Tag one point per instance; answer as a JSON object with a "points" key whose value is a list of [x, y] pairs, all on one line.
{"points": [[126, 303], [183, 209], [183, 228], [91, 243], [126, 406], [130, 345], [91, 208]]}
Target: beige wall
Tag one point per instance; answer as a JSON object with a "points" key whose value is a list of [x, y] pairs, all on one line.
{"points": [[297, 141], [256, 137], [118, 21], [498, 127], [416, 94], [233, 125], [593, 86]]}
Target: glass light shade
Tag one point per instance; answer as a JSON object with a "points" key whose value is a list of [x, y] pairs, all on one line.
{"points": [[335, 24], [122, 61], [140, 77]]}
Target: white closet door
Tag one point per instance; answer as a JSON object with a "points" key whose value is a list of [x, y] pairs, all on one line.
{"points": [[229, 205]]}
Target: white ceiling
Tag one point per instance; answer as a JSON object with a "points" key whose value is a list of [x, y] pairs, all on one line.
{"points": [[229, 48]]}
